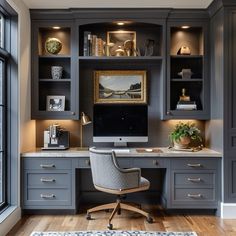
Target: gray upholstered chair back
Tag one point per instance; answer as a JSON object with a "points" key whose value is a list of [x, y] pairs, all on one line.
{"points": [[107, 174]]}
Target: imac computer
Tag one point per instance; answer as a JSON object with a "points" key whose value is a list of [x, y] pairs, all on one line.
{"points": [[120, 123]]}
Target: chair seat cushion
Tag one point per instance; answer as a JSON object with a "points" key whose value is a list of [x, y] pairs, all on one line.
{"points": [[144, 182]]}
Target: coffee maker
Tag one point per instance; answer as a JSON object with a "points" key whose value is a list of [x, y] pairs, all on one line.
{"points": [[55, 138]]}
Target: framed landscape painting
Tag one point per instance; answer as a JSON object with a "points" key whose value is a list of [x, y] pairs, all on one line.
{"points": [[120, 86]]}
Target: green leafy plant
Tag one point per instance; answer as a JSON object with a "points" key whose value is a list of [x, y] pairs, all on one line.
{"points": [[185, 130]]}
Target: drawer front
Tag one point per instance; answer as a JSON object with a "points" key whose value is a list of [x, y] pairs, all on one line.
{"points": [[124, 162], [194, 179], [193, 164], [48, 197], [149, 163], [50, 180], [84, 163], [47, 164], [193, 195]]}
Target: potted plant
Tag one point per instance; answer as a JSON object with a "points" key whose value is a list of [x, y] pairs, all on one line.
{"points": [[183, 133]]}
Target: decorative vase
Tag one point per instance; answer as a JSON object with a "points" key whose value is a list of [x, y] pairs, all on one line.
{"points": [[182, 143], [56, 72]]}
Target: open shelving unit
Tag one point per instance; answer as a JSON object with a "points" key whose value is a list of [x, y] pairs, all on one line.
{"points": [[192, 35], [44, 85]]}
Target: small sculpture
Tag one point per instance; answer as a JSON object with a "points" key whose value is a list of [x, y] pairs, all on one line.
{"points": [[184, 50], [149, 47], [129, 47], [185, 73], [183, 97], [119, 52]]}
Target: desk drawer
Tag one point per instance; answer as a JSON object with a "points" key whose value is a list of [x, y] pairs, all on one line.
{"points": [[49, 180], [48, 197], [194, 179], [47, 164], [193, 194], [149, 163], [193, 164]]}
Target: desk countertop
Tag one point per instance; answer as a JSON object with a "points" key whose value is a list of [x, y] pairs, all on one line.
{"points": [[164, 152]]}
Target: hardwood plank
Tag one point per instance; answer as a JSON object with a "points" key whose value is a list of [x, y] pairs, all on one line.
{"points": [[204, 225]]}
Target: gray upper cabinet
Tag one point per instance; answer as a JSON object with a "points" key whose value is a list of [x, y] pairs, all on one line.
{"points": [[54, 54], [187, 81]]}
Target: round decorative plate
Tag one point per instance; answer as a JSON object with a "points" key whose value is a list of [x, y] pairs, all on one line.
{"points": [[53, 45]]}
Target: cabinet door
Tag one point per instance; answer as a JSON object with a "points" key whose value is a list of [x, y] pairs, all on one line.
{"points": [[187, 83], [55, 87]]}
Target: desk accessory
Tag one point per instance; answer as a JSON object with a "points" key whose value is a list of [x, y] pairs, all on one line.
{"points": [[55, 138], [149, 150], [84, 120]]}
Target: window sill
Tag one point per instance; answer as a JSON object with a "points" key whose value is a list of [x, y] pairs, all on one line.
{"points": [[6, 213]]}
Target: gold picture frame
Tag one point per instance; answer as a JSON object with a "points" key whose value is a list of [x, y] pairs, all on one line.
{"points": [[120, 86], [121, 43]]}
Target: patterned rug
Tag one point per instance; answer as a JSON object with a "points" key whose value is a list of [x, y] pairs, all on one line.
{"points": [[114, 233]]}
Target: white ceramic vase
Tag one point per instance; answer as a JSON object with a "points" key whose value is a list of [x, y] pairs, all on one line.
{"points": [[56, 72]]}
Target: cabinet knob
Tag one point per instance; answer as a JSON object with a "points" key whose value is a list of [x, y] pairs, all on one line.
{"points": [[72, 113], [168, 113]]}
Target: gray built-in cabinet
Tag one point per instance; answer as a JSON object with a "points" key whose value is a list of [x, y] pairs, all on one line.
{"points": [[58, 182], [163, 27]]}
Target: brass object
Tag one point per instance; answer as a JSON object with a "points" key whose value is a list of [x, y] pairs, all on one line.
{"points": [[183, 97], [84, 120], [184, 50]]}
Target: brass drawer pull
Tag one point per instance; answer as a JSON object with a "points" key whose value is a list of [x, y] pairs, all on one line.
{"points": [[47, 180], [194, 179], [47, 166], [194, 165], [195, 195], [49, 196]]}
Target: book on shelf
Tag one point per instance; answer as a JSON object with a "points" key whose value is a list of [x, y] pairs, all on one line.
{"points": [[186, 105], [87, 36]]}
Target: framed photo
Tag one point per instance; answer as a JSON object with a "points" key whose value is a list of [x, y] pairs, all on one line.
{"points": [[120, 86], [122, 43], [55, 103]]}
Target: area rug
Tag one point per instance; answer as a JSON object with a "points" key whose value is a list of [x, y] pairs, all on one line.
{"points": [[114, 233]]}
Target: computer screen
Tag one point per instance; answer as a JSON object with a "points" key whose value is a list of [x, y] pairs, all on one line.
{"points": [[120, 123]]}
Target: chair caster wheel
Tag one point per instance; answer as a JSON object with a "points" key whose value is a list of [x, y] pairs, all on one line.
{"points": [[149, 219], [110, 226], [88, 217]]}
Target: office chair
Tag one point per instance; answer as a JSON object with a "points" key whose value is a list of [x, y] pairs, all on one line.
{"points": [[110, 178]]}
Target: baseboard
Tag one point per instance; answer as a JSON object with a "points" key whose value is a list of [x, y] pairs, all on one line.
{"points": [[13, 217], [228, 210]]}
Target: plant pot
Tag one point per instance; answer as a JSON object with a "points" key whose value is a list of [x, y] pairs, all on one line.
{"points": [[182, 143]]}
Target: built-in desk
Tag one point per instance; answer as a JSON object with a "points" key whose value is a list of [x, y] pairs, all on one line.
{"points": [[192, 179]]}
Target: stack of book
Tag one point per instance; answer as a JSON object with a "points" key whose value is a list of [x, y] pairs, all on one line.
{"points": [[93, 46], [186, 105]]}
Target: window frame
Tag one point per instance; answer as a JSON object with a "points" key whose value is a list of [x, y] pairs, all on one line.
{"points": [[4, 57]]}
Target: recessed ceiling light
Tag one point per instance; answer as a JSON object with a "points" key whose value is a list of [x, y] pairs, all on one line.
{"points": [[185, 27], [120, 23], [56, 27]]}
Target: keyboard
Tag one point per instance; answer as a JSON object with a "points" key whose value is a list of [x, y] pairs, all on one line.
{"points": [[121, 150]]}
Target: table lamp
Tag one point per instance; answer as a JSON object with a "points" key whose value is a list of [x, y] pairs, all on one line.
{"points": [[84, 120]]}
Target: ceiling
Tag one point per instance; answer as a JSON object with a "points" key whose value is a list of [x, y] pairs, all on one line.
{"points": [[64, 4]]}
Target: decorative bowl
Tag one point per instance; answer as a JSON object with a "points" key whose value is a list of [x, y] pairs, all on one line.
{"points": [[53, 45]]}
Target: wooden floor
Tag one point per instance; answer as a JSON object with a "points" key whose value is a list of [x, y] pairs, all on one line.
{"points": [[203, 225]]}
